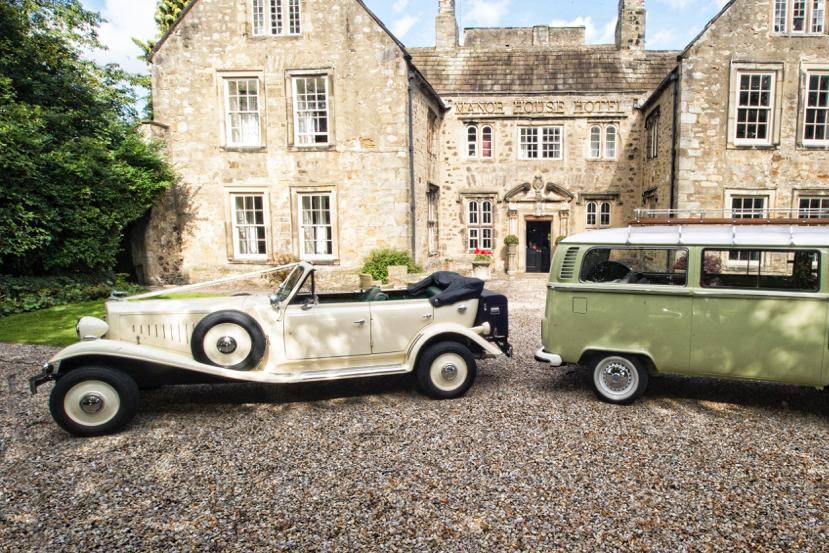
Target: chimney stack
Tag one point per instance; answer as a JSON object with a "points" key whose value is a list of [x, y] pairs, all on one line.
{"points": [[446, 26], [630, 29]]}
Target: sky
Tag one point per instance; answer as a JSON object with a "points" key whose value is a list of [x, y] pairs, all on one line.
{"points": [[671, 24]]}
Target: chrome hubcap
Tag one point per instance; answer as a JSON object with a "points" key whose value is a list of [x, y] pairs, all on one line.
{"points": [[449, 372], [617, 377], [226, 345], [92, 403]]}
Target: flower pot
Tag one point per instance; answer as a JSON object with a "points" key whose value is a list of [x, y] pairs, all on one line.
{"points": [[481, 270]]}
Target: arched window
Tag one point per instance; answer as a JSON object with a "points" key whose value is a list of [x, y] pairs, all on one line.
{"points": [[479, 225], [604, 218], [610, 142], [486, 142], [595, 142], [472, 141], [486, 213], [591, 214]]}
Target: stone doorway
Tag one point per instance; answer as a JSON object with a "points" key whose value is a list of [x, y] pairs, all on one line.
{"points": [[539, 246]]}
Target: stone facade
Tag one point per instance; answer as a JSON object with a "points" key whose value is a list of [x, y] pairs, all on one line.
{"points": [[523, 131]]}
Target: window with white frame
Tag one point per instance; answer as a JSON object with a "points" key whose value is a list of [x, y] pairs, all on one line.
{"points": [[479, 142], [799, 16], [479, 225], [249, 229], [747, 207], [598, 214], [311, 110], [652, 128], [816, 103], [541, 143], [242, 117], [754, 108], [603, 140], [432, 218], [813, 207], [276, 17], [316, 227]]}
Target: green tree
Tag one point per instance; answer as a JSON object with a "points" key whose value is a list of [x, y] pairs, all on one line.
{"points": [[166, 14], [75, 170]]}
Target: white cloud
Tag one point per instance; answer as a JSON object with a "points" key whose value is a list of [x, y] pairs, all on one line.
{"points": [[400, 5], [593, 34], [485, 13], [125, 19], [664, 39], [402, 26]]}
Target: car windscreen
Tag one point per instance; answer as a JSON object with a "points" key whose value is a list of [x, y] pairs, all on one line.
{"points": [[289, 283]]}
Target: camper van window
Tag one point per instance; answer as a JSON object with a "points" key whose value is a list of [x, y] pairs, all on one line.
{"points": [[641, 266], [793, 271]]}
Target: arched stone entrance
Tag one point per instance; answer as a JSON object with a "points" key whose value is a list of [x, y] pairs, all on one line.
{"points": [[538, 213]]}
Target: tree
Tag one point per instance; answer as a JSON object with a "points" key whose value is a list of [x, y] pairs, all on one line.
{"points": [[76, 171], [166, 14]]}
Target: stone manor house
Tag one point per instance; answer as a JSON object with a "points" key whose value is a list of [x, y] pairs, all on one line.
{"points": [[305, 127]]}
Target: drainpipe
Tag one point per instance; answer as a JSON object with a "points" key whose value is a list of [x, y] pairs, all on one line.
{"points": [[412, 191], [675, 137]]}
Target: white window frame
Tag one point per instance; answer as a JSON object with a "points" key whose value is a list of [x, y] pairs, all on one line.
{"points": [[267, 9], [480, 217], [808, 74], [771, 108], [537, 136], [236, 227], [474, 139], [296, 115], [229, 114], [652, 130], [601, 212], [768, 197], [602, 145], [432, 208], [331, 225], [814, 17], [815, 202]]}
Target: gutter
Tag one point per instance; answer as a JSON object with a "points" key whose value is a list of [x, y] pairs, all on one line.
{"points": [[412, 191], [675, 138]]}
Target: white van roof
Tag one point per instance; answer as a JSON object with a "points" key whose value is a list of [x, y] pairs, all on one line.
{"points": [[707, 235]]}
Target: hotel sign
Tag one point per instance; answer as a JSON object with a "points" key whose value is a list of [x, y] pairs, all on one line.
{"points": [[531, 107]]}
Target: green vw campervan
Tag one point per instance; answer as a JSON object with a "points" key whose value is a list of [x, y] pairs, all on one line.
{"points": [[743, 299]]}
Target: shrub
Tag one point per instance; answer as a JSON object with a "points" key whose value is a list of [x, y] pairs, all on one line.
{"points": [[23, 294], [378, 262], [483, 256], [511, 240]]}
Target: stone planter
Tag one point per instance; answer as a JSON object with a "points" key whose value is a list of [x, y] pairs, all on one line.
{"points": [[512, 259], [481, 270]]}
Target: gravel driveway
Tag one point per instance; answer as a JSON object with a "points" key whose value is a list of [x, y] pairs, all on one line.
{"points": [[529, 460]]}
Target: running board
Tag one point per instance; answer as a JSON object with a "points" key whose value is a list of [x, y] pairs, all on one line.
{"points": [[338, 374]]}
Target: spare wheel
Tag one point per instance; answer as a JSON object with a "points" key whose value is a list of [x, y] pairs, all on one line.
{"points": [[230, 340]]}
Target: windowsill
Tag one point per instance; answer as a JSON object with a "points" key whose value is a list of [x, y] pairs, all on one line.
{"points": [[813, 146], [326, 261], [248, 261], [271, 36], [749, 146], [798, 35], [245, 149], [600, 160], [322, 148], [535, 159]]}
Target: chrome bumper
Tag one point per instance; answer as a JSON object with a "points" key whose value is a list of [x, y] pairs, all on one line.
{"points": [[543, 356]]}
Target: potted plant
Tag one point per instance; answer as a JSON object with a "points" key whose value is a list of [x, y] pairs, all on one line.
{"points": [[481, 264]]}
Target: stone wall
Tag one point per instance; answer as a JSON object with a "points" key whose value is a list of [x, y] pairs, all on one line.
{"points": [[540, 36], [711, 167], [366, 169], [657, 171]]}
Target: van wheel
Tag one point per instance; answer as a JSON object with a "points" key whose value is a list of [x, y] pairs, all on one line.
{"points": [[619, 379], [93, 401], [446, 370]]}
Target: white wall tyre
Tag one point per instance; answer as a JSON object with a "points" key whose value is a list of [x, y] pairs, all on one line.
{"points": [[230, 340], [93, 401], [446, 370], [619, 379]]}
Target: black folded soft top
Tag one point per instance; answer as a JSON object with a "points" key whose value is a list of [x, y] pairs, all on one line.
{"points": [[454, 288]]}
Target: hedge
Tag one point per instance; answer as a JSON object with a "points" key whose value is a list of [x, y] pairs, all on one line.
{"points": [[24, 294]]}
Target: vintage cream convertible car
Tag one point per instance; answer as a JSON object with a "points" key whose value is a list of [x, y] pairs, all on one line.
{"points": [[436, 328]]}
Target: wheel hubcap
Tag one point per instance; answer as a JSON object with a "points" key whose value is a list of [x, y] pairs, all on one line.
{"points": [[449, 372], [92, 403], [226, 345], [617, 377]]}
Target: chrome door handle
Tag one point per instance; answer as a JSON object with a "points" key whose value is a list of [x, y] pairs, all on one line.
{"points": [[462, 308], [427, 317], [360, 322]]}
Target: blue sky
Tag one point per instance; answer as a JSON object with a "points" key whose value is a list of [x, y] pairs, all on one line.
{"points": [[671, 23]]}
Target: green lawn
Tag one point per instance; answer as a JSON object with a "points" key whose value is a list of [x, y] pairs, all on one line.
{"points": [[50, 327], [56, 326]]}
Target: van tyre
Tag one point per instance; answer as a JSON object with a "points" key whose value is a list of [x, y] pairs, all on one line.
{"points": [[446, 370], [93, 401], [230, 340], [619, 379]]}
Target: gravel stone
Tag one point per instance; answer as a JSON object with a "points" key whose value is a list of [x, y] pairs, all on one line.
{"points": [[528, 460]]}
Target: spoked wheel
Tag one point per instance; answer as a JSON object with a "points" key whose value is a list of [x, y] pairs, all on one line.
{"points": [[619, 379], [446, 370], [92, 401], [230, 340]]}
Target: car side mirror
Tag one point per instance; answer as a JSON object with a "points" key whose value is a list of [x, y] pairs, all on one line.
{"points": [[308, 304]]}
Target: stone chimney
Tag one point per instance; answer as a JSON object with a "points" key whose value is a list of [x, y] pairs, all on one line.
{"points": [[446, 26], [630, 29]]}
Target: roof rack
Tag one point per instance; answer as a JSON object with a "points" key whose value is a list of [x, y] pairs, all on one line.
{"points": [[786, 216]]}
